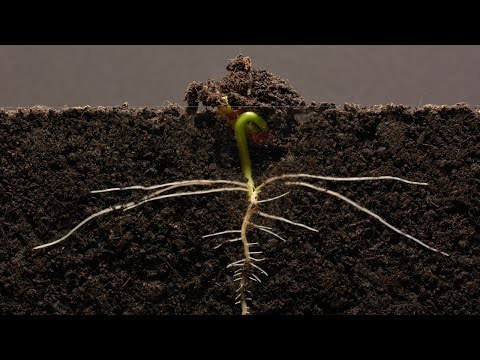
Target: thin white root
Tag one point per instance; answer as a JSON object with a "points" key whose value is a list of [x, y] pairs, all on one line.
{"points": [[101, 212], [285, 220], [222, 232], [228, 241], [261, 226], [334, 178], [190, 183], [256, 277], [240, 262], [268, 231], [259, 268], [361, 208], [236, 264], [133, 204], [176, 183], [188, 193], [274, 198]]}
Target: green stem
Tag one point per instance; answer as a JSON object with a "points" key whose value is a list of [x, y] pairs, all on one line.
{"points": [[241, 137]]}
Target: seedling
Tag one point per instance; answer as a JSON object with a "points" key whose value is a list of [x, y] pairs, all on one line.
{"points": [[247, 269]]}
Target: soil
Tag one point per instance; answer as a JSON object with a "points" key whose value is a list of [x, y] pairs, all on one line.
{"points": [[153, 260]]}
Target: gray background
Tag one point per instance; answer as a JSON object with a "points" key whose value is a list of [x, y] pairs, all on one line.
{"points": [[153, 75]]}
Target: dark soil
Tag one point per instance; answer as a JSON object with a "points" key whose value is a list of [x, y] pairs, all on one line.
{"points": [[152, 260]]}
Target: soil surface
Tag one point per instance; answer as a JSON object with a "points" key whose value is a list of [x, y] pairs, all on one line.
{"points": [[153, 259]]}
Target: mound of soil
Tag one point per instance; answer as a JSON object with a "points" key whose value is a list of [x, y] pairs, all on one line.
{"points": [[153, 260], [245, 87]]}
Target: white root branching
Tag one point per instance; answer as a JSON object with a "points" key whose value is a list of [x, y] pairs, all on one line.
{"points": [[176, 183], [246, 269], [261, 228], [228, 241], [372, 214], [152, 197], [199, 192], [286, 220], [274, 198], [222, 232]]}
